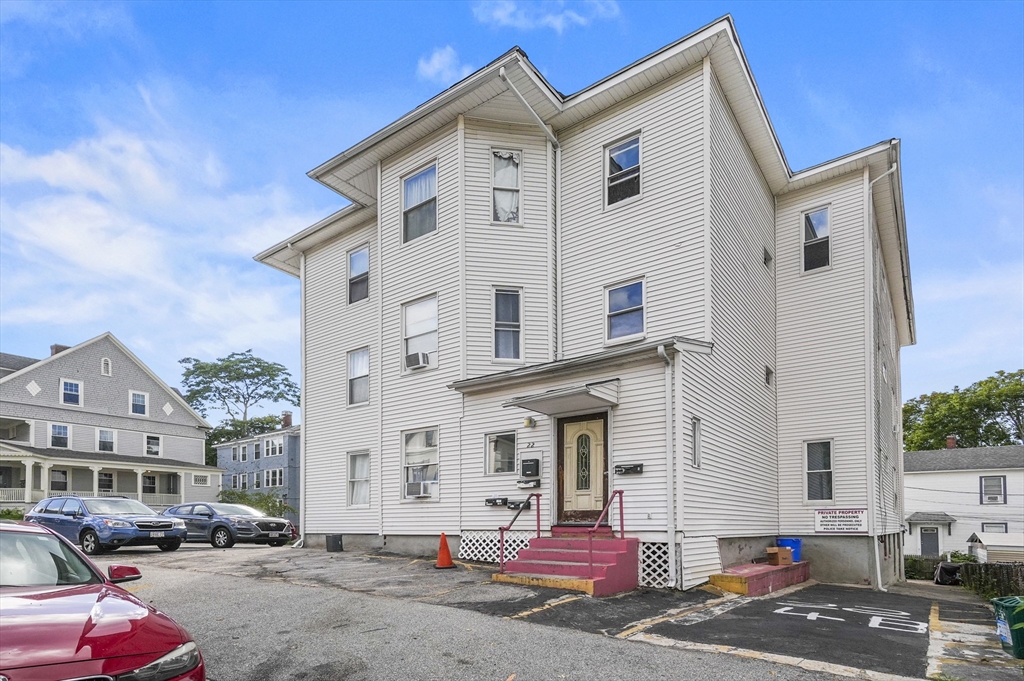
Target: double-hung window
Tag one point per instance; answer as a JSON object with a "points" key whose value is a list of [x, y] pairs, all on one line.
{"points": [[993, 489], [819, 470], [140, 403], [60, 435], [507, 324], [419, 462], [256, 480], [244, 455], [420, 323], [234, 481], [149, 484], [104, 440], [359, 479], [359, 376], [501, 453], [106, 481], [243, 481], [625, 311], [153, 445], [816, 239], [359, 275], [234, 453], [58, 481], [419, 194], [623, 170], [505, 186], [273, 477], [256, 450], [71, 392]]}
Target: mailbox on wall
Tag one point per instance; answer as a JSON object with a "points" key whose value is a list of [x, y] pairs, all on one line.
{"points": [[516, 505], [629, 468], [529, 468]]}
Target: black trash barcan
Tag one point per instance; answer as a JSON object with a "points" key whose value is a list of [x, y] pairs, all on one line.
{"points": [[334, 543], [947, 573]]}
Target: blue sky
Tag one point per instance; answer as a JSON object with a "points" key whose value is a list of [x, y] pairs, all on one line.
{"points": [[149, 150]]}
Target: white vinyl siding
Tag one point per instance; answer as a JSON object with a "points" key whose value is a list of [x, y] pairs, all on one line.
{"points": [[328, 428], [507, 256], [735, 490], [832, 319], [668, 250]]}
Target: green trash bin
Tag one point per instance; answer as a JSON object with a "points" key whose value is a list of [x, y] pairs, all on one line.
{"points": [[1006, 618]]}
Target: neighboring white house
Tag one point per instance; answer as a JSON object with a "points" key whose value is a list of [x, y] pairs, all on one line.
{"points": [[954, 493], [94, 420], [627, 287], [997, 547]]}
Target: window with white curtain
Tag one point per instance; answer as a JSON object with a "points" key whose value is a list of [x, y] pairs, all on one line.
{"points": [[359, 376], [359, 479], [419, 201], [507, 324], [420, 322], [505, 183]]}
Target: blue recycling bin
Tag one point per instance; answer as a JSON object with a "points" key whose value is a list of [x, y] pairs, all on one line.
{"points": [[791, 543]]}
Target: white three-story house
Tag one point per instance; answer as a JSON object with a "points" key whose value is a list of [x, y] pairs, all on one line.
{"points": [[626, 288]]}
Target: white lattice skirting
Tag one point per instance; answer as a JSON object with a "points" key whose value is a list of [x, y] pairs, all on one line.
{"points": [[482, 545], [653, 564]]}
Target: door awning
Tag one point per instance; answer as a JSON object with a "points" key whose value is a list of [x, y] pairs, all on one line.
{"points": [[597, 395]]}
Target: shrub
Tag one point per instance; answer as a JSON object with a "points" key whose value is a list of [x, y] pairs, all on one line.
{"points": [[12, 514], [961, 557]]}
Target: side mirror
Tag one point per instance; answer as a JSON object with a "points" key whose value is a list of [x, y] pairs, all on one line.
{"points": [[123, 573], [71, 514]]}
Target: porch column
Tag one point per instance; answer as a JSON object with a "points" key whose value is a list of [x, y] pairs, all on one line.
{"points": [[138, 482], [95, 480], [44, 479], [29, 465]]}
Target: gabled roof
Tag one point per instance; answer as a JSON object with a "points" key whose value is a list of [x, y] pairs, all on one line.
{"points": [[989, 539], [926, 517], [353, 173], [175, 395], [964, 459], [15, 362], [290, 430]]}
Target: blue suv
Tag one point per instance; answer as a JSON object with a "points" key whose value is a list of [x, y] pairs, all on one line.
{"points": [[101, 524], [224, 524]]}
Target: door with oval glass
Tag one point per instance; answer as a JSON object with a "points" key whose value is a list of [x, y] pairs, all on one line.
{"points": [[582, 468]]}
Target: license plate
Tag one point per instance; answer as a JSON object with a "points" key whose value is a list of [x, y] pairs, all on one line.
{"points": [[275, 534], [156, 534]]}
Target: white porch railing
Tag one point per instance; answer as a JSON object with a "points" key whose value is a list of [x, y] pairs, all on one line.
{"points": [[110, 493], [12, 494], [161, 499]]}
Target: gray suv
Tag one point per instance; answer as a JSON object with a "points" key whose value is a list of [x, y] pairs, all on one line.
{"points": [[224, 524]]}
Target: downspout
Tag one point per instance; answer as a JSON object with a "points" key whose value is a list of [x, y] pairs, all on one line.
{"points": [[302, 396], [670, 516]]}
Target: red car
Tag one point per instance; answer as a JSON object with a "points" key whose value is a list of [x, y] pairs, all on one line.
{"points": [[61, 618]]}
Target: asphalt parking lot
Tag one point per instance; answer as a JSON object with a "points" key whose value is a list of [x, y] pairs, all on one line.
{"points": [[820, 628]]}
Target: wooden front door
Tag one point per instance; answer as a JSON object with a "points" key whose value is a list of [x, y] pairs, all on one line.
{"points": [[582, 463]]}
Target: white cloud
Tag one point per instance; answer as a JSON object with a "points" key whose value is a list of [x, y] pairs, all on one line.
{"points": [[556, 15], [443, 66]]}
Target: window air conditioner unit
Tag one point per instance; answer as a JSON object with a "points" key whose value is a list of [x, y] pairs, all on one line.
{"points": [[994, 498], [417, 490], [417, 360]]}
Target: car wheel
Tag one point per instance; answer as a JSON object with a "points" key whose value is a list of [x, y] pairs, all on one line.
{"points": [[91, 543], [221, 538], [169, 545], [278, 543]]}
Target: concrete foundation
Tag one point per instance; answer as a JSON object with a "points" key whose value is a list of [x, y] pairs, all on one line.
{"points": [[419, 546], [839, 560], [743, 550]]}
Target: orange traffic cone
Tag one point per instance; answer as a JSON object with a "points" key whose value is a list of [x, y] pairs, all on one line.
{"points": [[444, 555]]}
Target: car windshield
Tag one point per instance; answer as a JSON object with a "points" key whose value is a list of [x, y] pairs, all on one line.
{"points": [[41, 560], [236, 509], [118, 507]]}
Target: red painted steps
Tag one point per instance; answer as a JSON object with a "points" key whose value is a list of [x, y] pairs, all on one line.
{"points": [[563, 561]]}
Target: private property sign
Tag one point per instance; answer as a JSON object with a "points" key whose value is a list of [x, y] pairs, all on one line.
{"points": [[841, 520]]}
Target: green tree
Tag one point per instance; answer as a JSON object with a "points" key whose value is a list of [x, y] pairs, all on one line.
{"points": [[236, 384], [987, 413], [268, 502], [230, 429]]}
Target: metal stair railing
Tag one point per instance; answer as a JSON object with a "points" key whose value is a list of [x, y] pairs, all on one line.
{"points": [[503, 530], [592, 530]]}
